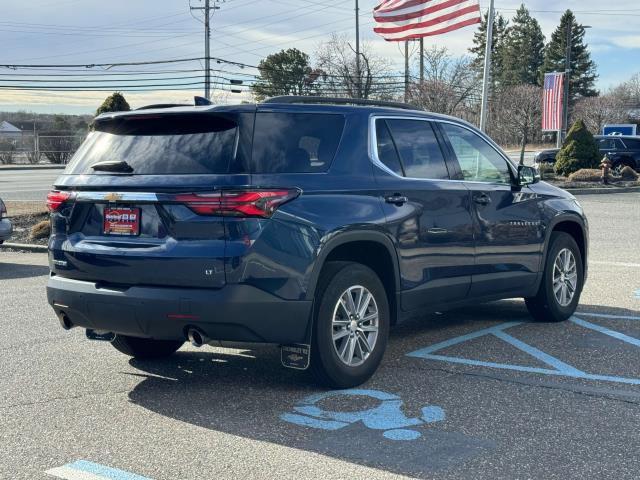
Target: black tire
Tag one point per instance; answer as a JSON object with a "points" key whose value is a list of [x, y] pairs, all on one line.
{"points": [[326, 366], [145, 348], [545, 307]]}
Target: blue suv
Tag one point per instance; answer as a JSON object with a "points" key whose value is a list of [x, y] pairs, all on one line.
{"points": [[311, 223]]}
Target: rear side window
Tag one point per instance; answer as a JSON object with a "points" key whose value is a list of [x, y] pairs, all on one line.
{"points": [[295, 142], [387, 152], [418, 149], [630, 144], [162, 144]]}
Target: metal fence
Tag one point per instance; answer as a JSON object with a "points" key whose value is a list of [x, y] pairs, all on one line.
{"points": [[32, 149]]}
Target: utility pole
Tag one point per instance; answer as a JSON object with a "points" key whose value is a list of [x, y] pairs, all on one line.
{"points": [[484, 113], [207, 37], [358, 66], [421, 60]]}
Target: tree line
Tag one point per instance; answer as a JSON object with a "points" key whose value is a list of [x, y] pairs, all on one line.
{"points": [[452, 85]]}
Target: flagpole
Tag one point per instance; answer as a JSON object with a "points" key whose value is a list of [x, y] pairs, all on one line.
{"points": [[358, 67], [406, 71], [487, 68]]}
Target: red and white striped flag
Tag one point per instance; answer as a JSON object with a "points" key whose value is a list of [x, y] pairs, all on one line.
{"points": [[400, 20], [553, 101]]}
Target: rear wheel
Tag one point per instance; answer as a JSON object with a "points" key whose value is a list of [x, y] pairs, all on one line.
{"points": [[562, 282], [145, 348], [351, 325]]}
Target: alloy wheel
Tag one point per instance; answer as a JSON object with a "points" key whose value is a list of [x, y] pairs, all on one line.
{"points": [[355, 325], [565, 277]]}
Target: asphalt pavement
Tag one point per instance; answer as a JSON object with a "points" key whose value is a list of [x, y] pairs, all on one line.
{"points": [[475, 393], [26, 184]]}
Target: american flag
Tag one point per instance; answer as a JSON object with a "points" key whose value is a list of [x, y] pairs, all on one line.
{"points": [[400, 20], [553, 101]]}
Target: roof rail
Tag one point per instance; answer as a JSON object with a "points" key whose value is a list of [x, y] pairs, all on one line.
{"points": [[339, 101], [162, 105]]}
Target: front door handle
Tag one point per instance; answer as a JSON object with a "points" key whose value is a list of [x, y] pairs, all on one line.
{"points": [[397, 199], [482, 199]]}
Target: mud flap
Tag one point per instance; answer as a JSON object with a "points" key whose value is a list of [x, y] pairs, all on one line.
{"points": [[295, 356]]}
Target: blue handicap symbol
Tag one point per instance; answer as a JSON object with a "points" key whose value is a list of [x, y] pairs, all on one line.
{"points": [[387, 416]]}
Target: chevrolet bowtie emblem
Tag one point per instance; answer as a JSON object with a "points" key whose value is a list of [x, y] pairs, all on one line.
{"points": [[113, 197]]}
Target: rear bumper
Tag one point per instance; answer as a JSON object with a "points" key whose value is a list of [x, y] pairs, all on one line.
{"points": [[5, 229], [236, 313]]}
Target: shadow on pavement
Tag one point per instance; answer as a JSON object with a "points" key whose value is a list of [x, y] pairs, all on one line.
{"points": [[247, 393], [13, 271]]}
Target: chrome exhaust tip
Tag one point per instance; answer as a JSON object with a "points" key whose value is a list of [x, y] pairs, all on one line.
{"points": [[196, 337], [65, 321]]}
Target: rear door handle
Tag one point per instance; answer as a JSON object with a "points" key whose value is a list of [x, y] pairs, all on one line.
{"points": [[482, 199], [397, 199]]}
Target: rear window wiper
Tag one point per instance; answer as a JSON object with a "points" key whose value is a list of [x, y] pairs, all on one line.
{"points": [[113, 166]]}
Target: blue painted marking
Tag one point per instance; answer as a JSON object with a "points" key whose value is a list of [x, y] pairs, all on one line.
{"points": [[610, 317], [559, 368], [402, 435], [539, 354], [433, 414], [388, 415], [606, 331], [637, 294], [104, 471]]}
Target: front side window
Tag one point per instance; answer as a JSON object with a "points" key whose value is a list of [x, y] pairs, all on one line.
{"points": [[479, 161], [416, 146]]}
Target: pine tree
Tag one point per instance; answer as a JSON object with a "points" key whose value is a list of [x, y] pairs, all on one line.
{"points": [[479, 46], [580, 150], [114, 103], [522, 51], [583, 69]]}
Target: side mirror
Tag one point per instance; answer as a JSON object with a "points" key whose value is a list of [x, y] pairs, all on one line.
{"points": [[527, 175]]}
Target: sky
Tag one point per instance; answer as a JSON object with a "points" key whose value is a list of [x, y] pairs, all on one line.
{"points": [[243, 31]]}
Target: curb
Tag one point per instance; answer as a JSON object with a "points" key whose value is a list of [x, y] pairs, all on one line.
{"points": [[32, 167], [25, 246], [602, 191]]}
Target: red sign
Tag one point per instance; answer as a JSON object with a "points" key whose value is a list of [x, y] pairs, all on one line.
{"points": [[121, 221]]}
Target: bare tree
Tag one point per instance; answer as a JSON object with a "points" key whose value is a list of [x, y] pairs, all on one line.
{"points": [[599, 111], [337, 60], [519, 111], [450, 85]]}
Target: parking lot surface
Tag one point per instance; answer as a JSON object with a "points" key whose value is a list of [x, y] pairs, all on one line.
{"points": [[474, 393]]}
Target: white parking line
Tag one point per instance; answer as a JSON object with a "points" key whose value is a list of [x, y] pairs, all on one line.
{"points": [[615, 264]]}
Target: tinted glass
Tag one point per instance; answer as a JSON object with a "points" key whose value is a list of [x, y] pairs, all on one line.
{"points": [[607, 144], [631, 144], [159, 145], [479, 161], [387, 153], [295, 142], [418, 148]]}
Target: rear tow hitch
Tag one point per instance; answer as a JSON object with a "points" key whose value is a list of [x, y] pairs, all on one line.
{"points": [[100, 335]]}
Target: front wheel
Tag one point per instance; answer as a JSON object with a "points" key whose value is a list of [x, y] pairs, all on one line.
{"points": [[351, 325], [562, 282], [145, 348]]}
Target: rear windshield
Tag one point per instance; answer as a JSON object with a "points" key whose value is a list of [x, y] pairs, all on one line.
{"points": [[160, 145], [295, 142]]}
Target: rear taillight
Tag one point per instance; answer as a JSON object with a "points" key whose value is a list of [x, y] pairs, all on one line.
{"points": [[55, 199], [3, 210], [237, 203]]}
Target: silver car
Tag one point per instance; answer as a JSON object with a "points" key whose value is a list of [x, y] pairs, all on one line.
{"points": [[5, 224]]}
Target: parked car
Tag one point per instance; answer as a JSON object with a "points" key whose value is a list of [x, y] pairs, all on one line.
{"points": [[622, 150], [313, 224], [6, 228]]}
